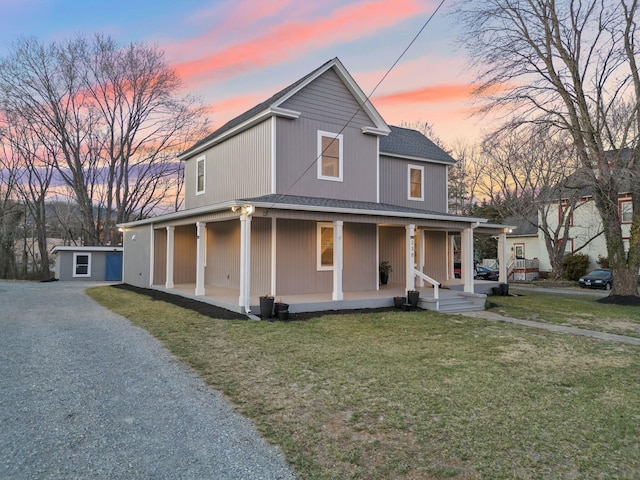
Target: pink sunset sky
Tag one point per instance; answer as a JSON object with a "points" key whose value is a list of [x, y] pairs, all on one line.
{"points": [[235, 54]]}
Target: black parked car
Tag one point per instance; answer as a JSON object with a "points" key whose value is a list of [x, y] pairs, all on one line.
{"points": [[486, 273], [599, 278]]}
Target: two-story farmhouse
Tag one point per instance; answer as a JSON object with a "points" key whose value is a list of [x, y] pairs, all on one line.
{"points": [[302, 197]]}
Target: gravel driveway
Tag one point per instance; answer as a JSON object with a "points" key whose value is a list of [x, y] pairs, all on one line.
{"points": [[84, 394]]}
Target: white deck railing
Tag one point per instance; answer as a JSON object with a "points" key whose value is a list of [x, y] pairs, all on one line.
{"points": [[435, 283]]}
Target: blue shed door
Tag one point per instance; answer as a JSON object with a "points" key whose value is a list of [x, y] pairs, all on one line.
{"points": [[113, 272]]}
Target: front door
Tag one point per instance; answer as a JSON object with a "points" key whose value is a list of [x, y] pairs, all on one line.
{"points": [[113, 271]]}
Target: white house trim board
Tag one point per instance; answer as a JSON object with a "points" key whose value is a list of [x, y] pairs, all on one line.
{"points": [[260, 117], [273, 256], [245, 258], [337, 261], [410, 256], [351, 85], [410, 169], [79, 256], [202, 160], [274, 179], [152, 255], [414, 159], [201, 242], [319, 266], [321, 153], [170, 247], [466, 260]]}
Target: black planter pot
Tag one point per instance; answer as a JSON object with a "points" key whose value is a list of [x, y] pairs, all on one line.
{"points": [[384, 278], [413, 296], [280, 306], [266, 307], [398, 302], [283, 315]]}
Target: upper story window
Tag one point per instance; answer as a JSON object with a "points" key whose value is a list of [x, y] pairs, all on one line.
{"points": [[563, 208], [200, 175], [330, 156], [81, 264], [415, 179], [325, 246], [626, 211]]}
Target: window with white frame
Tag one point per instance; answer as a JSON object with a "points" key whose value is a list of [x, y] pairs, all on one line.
{"points": [[330, 161], [81, 264], [325, 246], [200, 175], [415, 179], [626, 211]]}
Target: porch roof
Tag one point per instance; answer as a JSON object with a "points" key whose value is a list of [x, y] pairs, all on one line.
{"points": [[297, 202], [321, 205]]}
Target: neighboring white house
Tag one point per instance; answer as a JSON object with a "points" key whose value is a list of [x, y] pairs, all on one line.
{"points": [[585, 224]]}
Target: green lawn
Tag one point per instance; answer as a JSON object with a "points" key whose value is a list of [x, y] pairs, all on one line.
{"points": [[415, 395], [574, 310]]}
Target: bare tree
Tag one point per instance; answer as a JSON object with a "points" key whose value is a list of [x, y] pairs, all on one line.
{"points": [[11, 214], [465, 176], [572, 65], [33, 173], [535, 176], [116, 118]]}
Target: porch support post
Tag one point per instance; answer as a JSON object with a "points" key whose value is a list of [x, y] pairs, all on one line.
{"points": [[337, 260], [502, 257], [201, 229], [466, 257], [170, 243], [152, 253], [410, 256], [245, 258], [451, 257], [421, 244]]}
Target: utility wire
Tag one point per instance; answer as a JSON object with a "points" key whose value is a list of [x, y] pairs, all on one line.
{"points": [[361, 105]]}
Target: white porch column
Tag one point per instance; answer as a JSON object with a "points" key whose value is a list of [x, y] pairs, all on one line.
{"points": [[152, 253], [338, 257], [466, 259], [170, 244], [502, 256], [245, 258], [410, 256], [201, 229], [451, 257], [421, 245]]}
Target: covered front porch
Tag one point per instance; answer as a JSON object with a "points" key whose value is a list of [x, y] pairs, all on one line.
{"points": [[311, 260], [449, 299]]}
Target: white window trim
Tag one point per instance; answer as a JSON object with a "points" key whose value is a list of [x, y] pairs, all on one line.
{"points": [[415, 167], [340, 156], [202, 159], [320, 267], [622, 208], [75, 264]]}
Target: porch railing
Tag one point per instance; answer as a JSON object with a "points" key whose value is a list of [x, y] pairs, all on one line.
{"points": [[435, 283]]}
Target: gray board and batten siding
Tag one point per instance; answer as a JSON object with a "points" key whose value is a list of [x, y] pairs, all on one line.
{"points": [[236, 168], [296, 257], [327, 105], [394, 184]]}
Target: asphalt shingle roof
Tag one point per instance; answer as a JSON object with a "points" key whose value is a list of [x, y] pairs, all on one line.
{"points": [[411, 143], [335, 203]]}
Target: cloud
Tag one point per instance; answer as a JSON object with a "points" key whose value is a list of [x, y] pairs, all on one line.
{"points": [[446, 93], [292, 38]]}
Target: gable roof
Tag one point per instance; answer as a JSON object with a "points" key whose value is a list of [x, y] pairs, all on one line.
{"points": [[523, 227], [271, 106], [408, 143]]}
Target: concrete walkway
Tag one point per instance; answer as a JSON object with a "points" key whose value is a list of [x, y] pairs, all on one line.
{"points": [[554, 328], [86, 395]]}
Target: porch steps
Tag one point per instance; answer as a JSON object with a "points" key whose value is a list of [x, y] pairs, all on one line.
{"points": [[453, 304]]}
